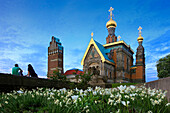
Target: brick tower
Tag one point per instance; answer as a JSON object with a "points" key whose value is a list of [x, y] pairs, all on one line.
{"points": [[140, 59], [55, 56]]}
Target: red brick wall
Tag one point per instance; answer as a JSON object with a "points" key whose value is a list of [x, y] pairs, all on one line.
{"points": [[139, 72], [53, 56]]}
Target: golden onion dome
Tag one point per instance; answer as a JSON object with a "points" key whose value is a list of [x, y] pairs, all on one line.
{"points": [[111, 23], [140, 38]]}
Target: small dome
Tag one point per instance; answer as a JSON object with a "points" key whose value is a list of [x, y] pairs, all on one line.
{"points": [[111, 23], [72, 71], [140, 38]]}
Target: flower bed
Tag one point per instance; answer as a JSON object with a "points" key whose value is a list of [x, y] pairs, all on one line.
{"points": [[121, 100]]}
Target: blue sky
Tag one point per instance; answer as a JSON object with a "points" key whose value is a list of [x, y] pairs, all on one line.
{"points": [[26, 28]]}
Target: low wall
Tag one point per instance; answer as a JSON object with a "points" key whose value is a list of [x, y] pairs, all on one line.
{"points": [[10, 82], [163, 84]]}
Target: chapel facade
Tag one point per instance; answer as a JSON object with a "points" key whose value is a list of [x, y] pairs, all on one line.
{"points": [[114, 60], [55, 57]]}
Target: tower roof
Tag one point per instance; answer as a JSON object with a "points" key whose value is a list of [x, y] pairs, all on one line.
{"points": [[100, 49], [111, 23], [58, 43], [118, 43]]}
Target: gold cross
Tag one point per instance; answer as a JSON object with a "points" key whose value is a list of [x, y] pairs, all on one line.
{"points": [[119, 38], [140, 28], [110, 10], [92, 34]]}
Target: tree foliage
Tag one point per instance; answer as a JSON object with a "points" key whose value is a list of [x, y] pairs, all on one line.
{"points": [[163, 67]]}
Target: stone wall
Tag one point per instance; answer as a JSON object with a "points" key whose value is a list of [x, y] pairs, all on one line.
{"points": [[163, 84], [10, 82]]}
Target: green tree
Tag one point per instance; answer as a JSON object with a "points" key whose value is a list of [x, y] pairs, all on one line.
{"points": [[163, 67], [57, 76]]}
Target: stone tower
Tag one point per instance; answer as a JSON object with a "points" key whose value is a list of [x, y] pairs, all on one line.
{"points": [[111, 26], [55, 56], [140, 59]]}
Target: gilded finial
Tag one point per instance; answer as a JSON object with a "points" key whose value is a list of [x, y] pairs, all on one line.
{"points": [[92, 34], [140, 38], [119, 38], [140, 32], [110, 10]]}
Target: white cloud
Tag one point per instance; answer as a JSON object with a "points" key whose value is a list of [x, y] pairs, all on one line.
{"points": [[73, 59], [42, 76], [151, 66], [15, 53], [162, 48], [163, 55], [154, 76]]}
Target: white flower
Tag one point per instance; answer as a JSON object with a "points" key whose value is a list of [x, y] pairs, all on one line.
{"points": [[132, 87], [37, 93], [110, 101], [94, 93], [6, 102], [149, 111], [79, 99], [32, 96], [74, 97], [48, 98], [89, 89], [68, 101], [81, 92], [160, 100], [118, 101], [60, 104], [126, 96], [76, 89], [51, 93], [111, 96], [125, 103], [97, 88], [167, 104], [63, 90], [87, 110], [122, 87], [86, 107], [19, 91], [57, 101], [118, 111], [0, 105]]}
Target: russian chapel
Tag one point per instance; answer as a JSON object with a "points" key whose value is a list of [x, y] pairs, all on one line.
{"points": [[114, 60]]}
